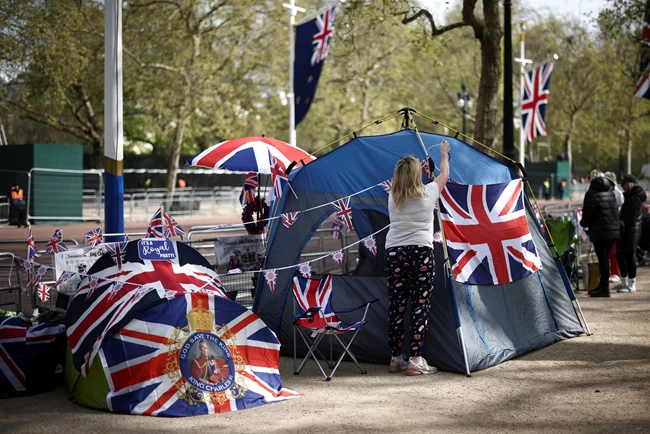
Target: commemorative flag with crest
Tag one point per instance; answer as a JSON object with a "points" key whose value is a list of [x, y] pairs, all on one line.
{"points": [[169, 341], [487, 233], [312, 46]]}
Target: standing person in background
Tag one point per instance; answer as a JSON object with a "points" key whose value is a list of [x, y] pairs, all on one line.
{"points": [[600, 220], [630, 216], [614, 271], [410, 264], [18, 204], [546, 189]]}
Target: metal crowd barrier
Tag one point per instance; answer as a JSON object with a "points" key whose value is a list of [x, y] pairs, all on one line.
{"points": [[11, 289]]}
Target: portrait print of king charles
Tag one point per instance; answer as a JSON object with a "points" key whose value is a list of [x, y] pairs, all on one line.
{"points": [[207, 367]]}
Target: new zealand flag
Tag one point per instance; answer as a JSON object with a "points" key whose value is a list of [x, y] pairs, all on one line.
{"points": [[312, 44]]}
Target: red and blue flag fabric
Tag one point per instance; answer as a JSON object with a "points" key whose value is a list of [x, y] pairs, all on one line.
{"points": [[172, 228], [94, 237], [643, 84], [248, 190], [155, 229], [487, 233], [195, 354], [312, 46], [279, 178], [337, 225], [344, 211], [56, 243], [31, 245], [289, 218], [249, 154], [536, 88], [20, 343], [98, 310]]}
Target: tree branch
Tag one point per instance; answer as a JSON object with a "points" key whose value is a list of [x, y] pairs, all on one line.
{"points": [[435, 31]]}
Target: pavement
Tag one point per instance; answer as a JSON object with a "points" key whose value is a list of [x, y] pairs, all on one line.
{"points": [[592, 384]]}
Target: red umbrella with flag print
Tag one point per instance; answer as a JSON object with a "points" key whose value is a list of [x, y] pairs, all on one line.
{"points": [[249, 154]]}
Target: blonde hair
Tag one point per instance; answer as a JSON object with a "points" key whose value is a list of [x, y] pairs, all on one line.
{"points": [[407, 181], [595, 174]]}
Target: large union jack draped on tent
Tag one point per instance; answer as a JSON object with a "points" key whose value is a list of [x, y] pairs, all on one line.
{"points": [[155, 365], [536, 87], [487, 233], [20, 343], [170, 343]]}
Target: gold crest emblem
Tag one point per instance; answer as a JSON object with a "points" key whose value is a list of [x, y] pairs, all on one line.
{"points": [[200, 321]]}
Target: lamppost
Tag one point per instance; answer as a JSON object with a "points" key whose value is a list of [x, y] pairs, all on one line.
{"points": [[465, 103]]}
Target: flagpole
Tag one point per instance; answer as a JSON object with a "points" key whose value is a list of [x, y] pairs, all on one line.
{"points": [[522, 70], [292, 36]]}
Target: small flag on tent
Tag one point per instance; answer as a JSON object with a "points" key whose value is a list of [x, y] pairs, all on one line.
{"points": [[43, 292], [248, 190], [344, 210], [155, 229], [278, 176], [312, 45], [42, 271], [172, 228], [289, 218], [371, 244], [94, 237], [643, 84], [537, 84], [92, 286], [31, 245], [271, 276], [56, 243], [65, 276], [337, 256], [118, 253], [487, 233], [305, 269], [115, 289]]}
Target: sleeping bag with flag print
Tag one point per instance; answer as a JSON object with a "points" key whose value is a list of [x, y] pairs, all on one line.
{"points": [[159, 337]]}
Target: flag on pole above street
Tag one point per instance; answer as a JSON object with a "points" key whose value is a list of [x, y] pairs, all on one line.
{"points": [[312, 45], [537, 84], [643, 85]]}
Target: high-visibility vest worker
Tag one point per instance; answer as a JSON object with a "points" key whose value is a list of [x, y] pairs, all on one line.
{"points": [[16, 193]]}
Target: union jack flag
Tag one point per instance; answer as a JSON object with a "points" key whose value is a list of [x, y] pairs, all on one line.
{"points": [[96, 314], [31, 245], [278, 176], [43, 292], [172, 228], [344, 210], [248, 190], [56, 243], [643, 84], [536, 87], [20, 344], [338, 224], [487, 233], [94, 237], [146, 373], [321, 39], [289, 218], [155, 229], [118, 253]]}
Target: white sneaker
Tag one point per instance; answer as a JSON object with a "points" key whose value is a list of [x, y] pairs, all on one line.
{"points": [[419, 366], [398, 364], [614, 278], [631, 284], [622, 289]]}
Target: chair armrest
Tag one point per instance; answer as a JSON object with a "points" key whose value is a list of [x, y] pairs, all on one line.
{"points": [[366, 305]]}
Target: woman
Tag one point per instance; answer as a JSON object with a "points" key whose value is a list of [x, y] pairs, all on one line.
{"points": [[600, 220], [410, 265], [631, 226]]}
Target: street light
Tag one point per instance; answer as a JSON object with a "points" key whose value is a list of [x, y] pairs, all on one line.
{"points": [[465, 103]]}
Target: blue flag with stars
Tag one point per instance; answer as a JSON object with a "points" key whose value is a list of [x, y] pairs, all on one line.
{"points": [[312, 43]]}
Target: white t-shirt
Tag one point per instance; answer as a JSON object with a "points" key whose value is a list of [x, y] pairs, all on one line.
{"points": [[413, 224]]}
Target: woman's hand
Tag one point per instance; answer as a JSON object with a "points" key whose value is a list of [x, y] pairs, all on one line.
{"points": [[445, 147]]}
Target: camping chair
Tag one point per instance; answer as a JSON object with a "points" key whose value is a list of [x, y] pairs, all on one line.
{"points": [[317, 318]]}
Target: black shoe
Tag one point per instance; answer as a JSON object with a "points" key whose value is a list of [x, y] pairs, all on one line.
{"points": [[599, 292]]}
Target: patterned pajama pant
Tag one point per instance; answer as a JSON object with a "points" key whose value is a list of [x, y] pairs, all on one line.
{"points": [[409, 272]]}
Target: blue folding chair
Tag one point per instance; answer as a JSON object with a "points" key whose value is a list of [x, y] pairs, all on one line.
{"points": [[317, 318]]}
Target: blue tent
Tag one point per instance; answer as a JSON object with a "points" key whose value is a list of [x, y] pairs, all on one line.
{"points": [[498, 322]]}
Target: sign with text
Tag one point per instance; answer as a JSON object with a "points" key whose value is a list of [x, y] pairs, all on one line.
{"points": [[156, 250], [76, 260], [243, 253]]}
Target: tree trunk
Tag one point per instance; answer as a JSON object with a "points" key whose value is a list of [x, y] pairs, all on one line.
{"points": [[175, 154], [97, 160], [491, 67]]}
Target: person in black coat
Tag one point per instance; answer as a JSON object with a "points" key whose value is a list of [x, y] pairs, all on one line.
{"points": [[600, 220], [630, 215]]}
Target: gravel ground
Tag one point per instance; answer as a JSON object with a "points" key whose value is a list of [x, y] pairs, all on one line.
{"points": [[592, 384]]}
